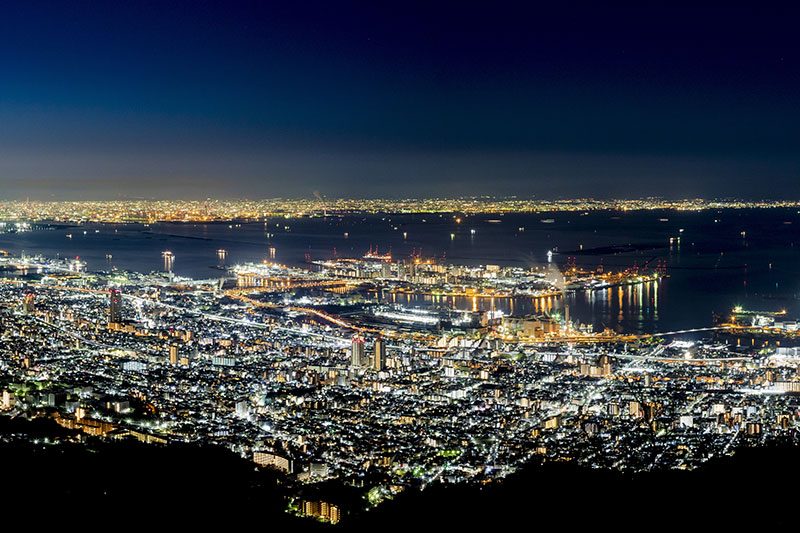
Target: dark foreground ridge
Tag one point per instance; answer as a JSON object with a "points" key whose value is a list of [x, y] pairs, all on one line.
{"points": [[102, 480], [752, 488]]}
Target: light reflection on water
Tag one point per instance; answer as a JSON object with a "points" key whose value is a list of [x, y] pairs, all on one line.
{"points": [[624, 308]]}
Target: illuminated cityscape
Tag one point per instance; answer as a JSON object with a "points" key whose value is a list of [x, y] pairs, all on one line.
{"points": [[281, 366], [358, 268], [152, 211]]}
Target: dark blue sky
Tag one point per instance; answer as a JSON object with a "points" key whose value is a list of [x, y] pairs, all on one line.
{"points": [[196, 99]]}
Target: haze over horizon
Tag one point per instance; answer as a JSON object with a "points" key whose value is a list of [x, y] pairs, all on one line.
{"points": [[248, 100]]}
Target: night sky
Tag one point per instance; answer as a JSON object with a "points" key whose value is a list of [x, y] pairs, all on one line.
{"points": [[101, 100]]}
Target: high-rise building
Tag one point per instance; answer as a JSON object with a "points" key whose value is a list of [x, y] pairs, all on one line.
{"points": [[243, 408], [9, 400], [386, 270], [379, 357], [357, 351], [27, 304], [115, 307], [173, 354]]}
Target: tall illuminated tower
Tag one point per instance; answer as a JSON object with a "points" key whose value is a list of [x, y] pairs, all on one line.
{"points": [[115, 307], [173, 354], [357, 351], [379, 357]]}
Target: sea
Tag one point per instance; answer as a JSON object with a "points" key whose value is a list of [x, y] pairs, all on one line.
{"points": [[714, 259]]}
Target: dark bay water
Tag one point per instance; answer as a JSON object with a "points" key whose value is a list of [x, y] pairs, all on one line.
{"points": [[711, 269]]}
